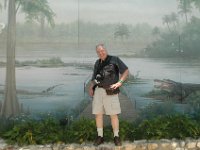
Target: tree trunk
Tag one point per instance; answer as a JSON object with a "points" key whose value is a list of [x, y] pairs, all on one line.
{"points": [[42, 28], [186, 19], [168, 27], [10, 105]]}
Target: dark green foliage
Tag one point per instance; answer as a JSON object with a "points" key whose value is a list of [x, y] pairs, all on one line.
{"points": [[168, 127], [5, 125], [108, 134], [82, 130], [34, 132], [127, 130]]}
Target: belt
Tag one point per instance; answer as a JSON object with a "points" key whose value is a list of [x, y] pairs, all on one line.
{"points": [[100, 86]]}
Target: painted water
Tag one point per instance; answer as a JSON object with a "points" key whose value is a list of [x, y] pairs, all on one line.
{"points": [[69, 81]]}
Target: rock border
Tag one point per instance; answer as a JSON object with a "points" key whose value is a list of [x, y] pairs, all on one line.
{"points": [[163, 144]]}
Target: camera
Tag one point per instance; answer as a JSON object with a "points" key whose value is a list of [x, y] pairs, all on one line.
{"points": [[99, 78]]}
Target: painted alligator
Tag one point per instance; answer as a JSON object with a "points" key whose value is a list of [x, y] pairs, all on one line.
{"points": [[176, 89]]}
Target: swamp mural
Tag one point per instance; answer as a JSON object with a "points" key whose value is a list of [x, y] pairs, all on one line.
{"points": [[47, 52]]}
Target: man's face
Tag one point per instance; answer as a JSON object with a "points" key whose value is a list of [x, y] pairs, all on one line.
{"points": [[101, 52]]}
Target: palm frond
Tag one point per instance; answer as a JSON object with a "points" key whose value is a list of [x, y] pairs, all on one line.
{"points": [[37, 9]]}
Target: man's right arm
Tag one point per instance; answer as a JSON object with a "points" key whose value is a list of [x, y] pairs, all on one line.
{"points": [[90, 90], [92, 82]]}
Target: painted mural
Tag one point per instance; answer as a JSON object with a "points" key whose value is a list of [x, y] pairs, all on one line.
{"points": [[47, 54]]}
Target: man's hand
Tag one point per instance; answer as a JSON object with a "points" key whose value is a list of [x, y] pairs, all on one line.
{"points": [[122, 79], [116, 85]]}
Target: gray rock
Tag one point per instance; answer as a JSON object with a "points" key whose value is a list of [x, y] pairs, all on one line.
{"points": [[174, 144], [191, 145], [3, 144], [182, 143], [152, 146]]}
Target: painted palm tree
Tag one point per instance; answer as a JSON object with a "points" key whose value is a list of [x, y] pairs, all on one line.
{"points": [[185, 8], [39, 11], [167, 20], [174, 19], [11, 105], [121, 31]]}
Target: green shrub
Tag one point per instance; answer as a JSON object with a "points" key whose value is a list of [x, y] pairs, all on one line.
{"points": [[34, 132], [81, 130], [49, 130], [127, 131], [169, 127], [5, 125]]}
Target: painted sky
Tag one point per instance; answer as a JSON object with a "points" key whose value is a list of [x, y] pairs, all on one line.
{"points": [[109, 11]]}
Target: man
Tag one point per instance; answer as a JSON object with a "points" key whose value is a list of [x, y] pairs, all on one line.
{"points": [[108, 75]]}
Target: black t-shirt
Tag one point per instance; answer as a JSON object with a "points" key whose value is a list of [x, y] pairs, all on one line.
{"points": [[110, 69]]}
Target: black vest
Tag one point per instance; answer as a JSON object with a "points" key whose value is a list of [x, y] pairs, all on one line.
{"points": [[107, 74]]}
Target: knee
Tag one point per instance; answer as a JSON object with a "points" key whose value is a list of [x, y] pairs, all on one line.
{"points": [[99, 116], [114, 117]]}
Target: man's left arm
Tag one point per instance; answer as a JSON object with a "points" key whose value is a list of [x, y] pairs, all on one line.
{"points": [[123, 77]]}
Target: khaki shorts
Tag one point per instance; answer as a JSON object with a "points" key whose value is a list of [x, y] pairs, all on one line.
{"points": [[105, 104]]}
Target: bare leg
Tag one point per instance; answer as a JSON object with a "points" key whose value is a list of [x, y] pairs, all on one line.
{"points": [[99, 124], [99, 120], [115, 124]]}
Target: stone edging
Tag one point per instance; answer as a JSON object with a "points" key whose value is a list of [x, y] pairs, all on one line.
{"points": [[163, 144]]}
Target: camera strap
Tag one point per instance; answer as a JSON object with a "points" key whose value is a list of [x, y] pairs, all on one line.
{"points": [[102, 64]]}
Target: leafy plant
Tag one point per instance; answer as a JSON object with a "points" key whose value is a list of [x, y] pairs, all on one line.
{"points": [[48, 130], [127, 130], [81, 131], [34, 132], [175, 126]]}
